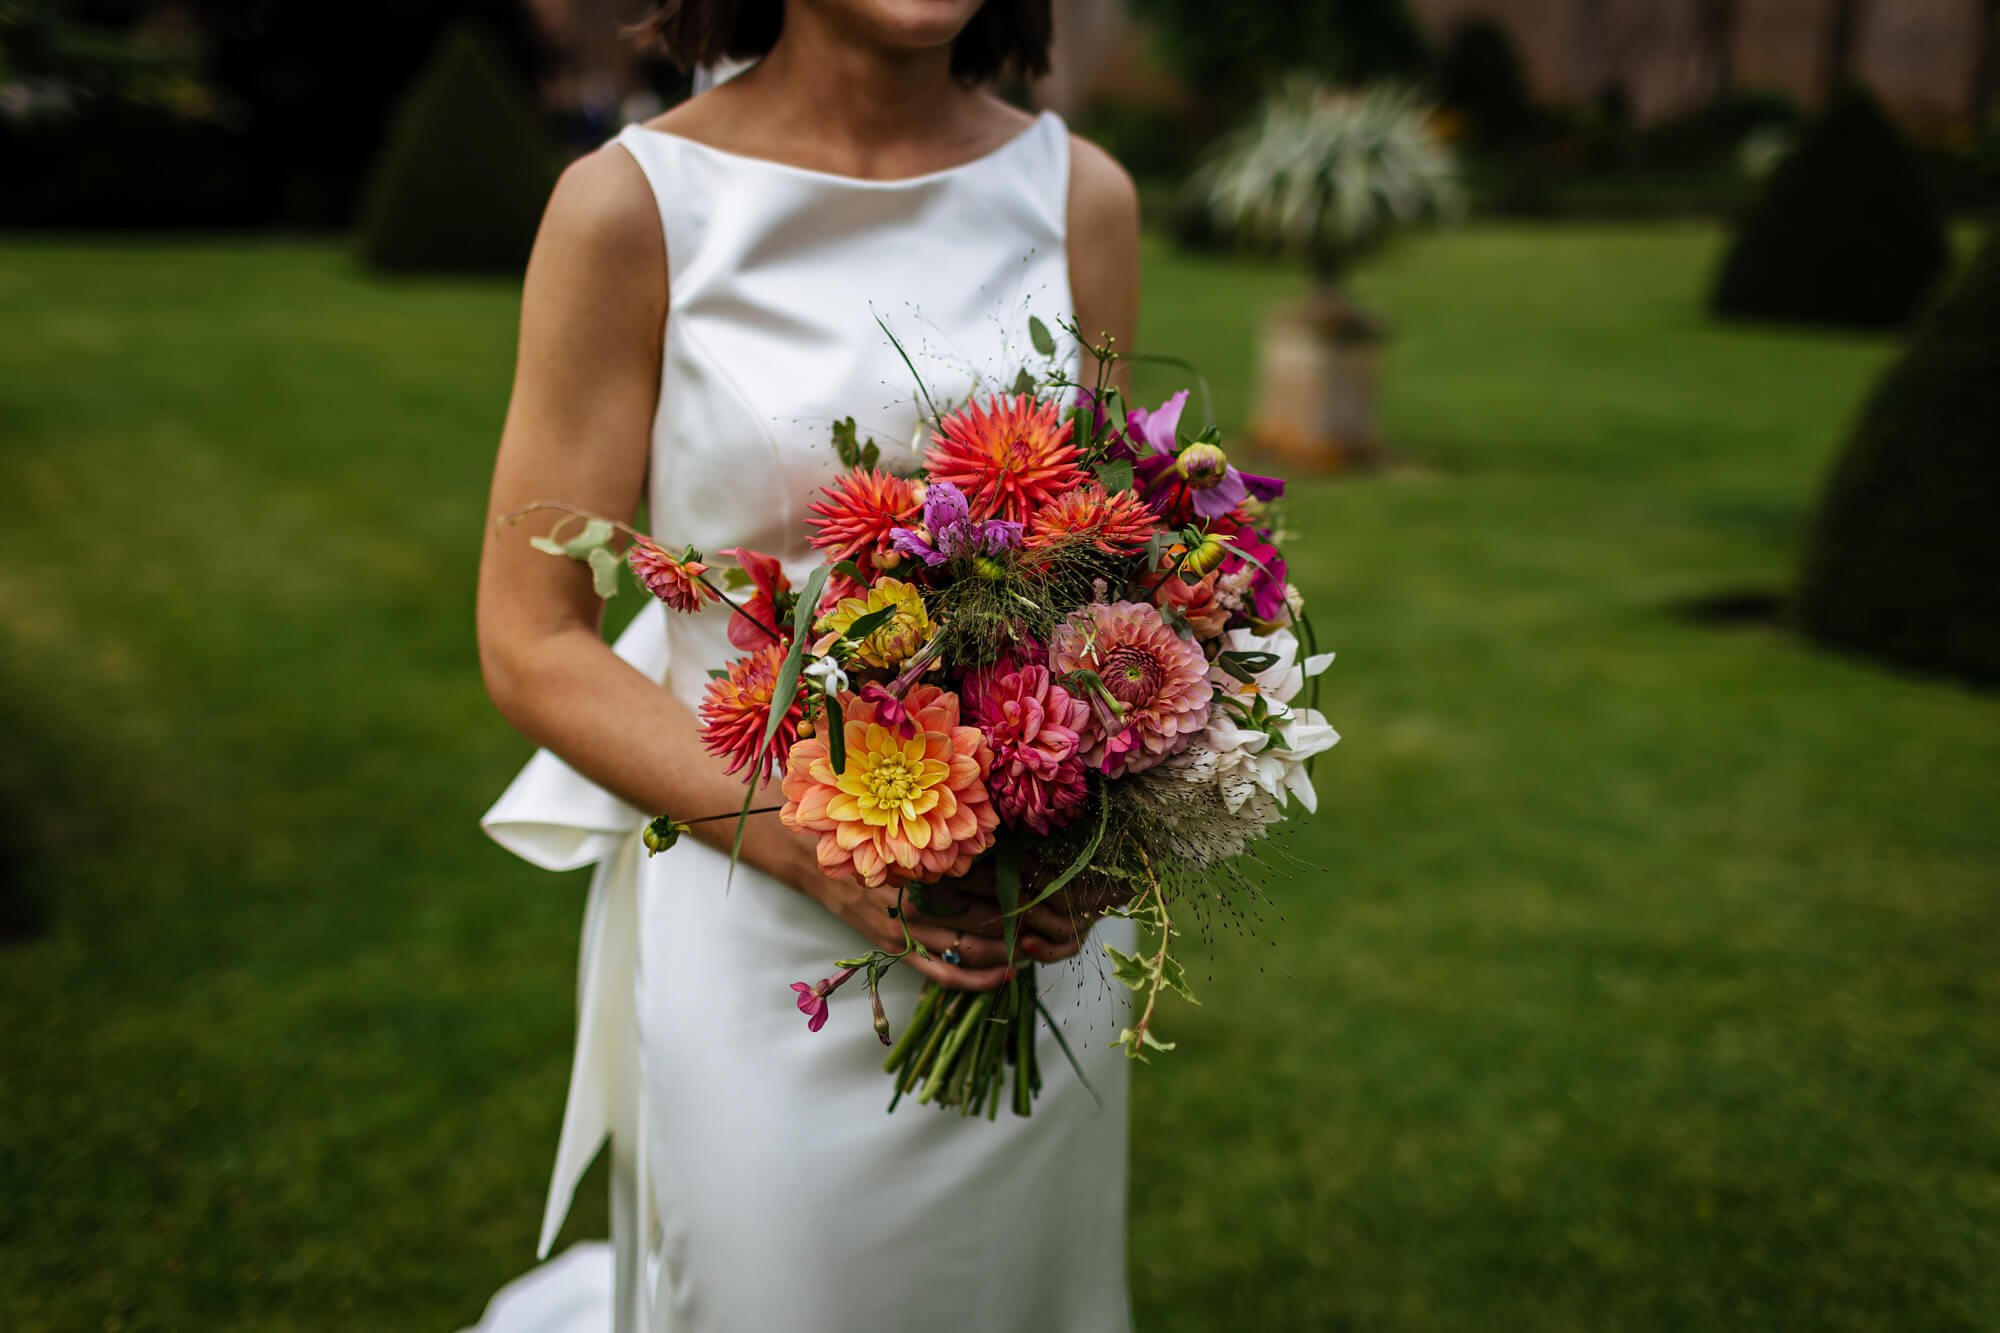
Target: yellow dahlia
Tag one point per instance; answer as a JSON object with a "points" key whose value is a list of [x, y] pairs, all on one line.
{"points": [[898, 639], [1010, 457], [912, 808]]}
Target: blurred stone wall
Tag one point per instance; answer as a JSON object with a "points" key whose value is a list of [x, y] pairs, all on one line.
{"points": [[1668, 56]]}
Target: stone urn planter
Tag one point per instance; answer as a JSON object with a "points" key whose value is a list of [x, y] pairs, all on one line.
{"points": [[1318, 371], [1326, 176]]}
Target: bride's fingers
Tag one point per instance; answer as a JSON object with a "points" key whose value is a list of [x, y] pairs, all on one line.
{"points": [[974, 951], [960, 978]]}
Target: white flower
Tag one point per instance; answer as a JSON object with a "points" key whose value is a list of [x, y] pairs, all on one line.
{"points": [[1258, 742], [828, 673], [1280, 682]]}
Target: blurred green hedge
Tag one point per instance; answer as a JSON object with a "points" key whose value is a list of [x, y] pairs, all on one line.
{"points": [[1845, 231], [1903, 561], [462, 181]]}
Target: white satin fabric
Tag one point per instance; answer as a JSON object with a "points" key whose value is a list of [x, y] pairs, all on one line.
{"points": [[758, 1185]]}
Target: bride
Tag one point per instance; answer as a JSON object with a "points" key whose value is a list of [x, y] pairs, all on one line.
{"points": [[702, 303]]}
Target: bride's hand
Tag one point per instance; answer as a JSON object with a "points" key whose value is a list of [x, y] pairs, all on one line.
{"points": [[1052, 930], [961, 921]]}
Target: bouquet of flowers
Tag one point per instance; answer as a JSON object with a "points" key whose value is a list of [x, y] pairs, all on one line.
{"points": [[1065, 643]]}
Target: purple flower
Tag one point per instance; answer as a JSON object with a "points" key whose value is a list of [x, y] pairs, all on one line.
{"points": [[1181, 480], [949, 529]]}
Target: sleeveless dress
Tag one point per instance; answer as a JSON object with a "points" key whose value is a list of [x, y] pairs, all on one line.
{"points": [[758, 1183]]}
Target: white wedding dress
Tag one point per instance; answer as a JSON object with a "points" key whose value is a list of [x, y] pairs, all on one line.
{"points": [[759, 1186]]}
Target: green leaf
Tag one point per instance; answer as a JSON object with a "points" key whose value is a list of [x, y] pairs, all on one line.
{"points": [[836, 733], [549, 544], [1114, 476], [1039, 335], [1024, 383], [1175, 976], [1083, 857], [783, 691], [1128, 968], [1136, 1044], [864, 626], [604, 571], [1245, 665], [1007, 880], [596, 533], [846, 444]]}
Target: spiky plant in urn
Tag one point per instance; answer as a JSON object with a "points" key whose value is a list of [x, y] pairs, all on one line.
{"points": [[1326, 176]]}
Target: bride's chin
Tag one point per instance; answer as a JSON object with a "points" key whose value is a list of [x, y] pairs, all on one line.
{"points": [[903, 25]]}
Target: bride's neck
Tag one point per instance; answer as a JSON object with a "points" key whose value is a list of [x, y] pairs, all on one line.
{"points": [[858, 97]]}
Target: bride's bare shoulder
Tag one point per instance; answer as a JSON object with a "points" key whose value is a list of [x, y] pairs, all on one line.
{"points": [[1101, 194], [603, 207]]}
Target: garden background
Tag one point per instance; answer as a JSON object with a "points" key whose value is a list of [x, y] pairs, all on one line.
{"points": [[1639, 971]]}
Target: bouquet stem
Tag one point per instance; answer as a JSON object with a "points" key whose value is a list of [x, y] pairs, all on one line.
{"points": [[957, 1047]]}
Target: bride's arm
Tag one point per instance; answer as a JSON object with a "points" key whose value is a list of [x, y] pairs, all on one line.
{"points": [[578, 430]]}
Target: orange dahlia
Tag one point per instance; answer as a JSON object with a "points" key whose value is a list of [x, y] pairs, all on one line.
{"points": [[1010, 458], [1116, 524], [913, 808], [859, 512], [736, 709]]}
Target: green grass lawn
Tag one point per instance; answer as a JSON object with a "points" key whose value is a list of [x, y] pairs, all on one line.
{"points": [[1646, 975]]}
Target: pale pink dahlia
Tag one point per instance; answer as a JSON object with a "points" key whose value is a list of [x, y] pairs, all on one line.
{"points": [[1158, 679], [1036, 730]]}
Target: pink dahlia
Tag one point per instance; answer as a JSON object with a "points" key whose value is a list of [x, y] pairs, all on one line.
{"points": [[1036, 729], [907, 805], [675, 580], [1158, 679]]}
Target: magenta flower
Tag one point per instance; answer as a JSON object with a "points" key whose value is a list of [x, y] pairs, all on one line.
{"points": [[812, 998], [950, 530], [1035, 727], [1185, 480]]}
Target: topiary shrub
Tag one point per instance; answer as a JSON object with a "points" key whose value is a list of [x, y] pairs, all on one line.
{"points": [[1903, 560], [1845, 231], [1480, 78], [466, 170]]}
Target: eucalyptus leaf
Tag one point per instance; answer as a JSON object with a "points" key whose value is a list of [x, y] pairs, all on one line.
{"points": [[604, 571], [597, 533]]}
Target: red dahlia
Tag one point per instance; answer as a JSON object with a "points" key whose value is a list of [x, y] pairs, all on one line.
{"points": [[1117, 524], [859, 512], [737, 708]]}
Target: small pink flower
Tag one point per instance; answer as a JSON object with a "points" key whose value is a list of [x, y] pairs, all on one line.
{"points": [[812, 998], [675, 580], [889, 711]]}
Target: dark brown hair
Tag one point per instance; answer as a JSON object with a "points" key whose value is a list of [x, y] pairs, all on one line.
{"points": [[1004, 37]]}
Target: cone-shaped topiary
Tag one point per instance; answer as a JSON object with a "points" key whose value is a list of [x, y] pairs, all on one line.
{"points": [[1903, 561], [1845, 231], [468, 166]]}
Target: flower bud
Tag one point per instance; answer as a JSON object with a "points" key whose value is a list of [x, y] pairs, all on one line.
{"points": [[661, 834], [1203, 466], [881, 1017]]}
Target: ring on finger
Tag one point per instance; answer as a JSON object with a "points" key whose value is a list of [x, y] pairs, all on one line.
{"points": [[952, 955]]}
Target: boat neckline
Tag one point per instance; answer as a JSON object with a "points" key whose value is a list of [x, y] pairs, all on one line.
{"points": [[865, 182]]}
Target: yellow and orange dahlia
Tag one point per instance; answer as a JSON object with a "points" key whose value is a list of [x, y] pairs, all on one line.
{"points": [[899, 638], [908, 808], [1010, 457]]}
